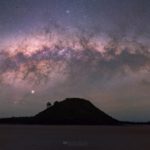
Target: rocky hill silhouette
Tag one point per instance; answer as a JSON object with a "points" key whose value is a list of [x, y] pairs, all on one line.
{"points": [[71, 111]]}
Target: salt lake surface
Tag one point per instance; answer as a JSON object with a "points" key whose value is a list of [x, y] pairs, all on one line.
{"points": [[74, 137]]}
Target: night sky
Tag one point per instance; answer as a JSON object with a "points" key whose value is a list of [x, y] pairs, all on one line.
{"points": [[93, 49]]}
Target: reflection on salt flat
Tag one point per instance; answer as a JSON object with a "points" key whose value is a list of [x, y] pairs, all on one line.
{"points": [[75, 143]]}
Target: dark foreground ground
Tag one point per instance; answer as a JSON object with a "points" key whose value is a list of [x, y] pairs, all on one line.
{"points": [[74, 137]]}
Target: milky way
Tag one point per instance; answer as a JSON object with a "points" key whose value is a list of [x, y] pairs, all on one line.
{"points": [[43, 57]]}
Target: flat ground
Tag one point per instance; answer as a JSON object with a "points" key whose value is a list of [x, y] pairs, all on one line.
{"points": [[74, 137]]}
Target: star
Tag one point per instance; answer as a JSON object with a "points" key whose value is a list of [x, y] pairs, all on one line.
{"points": [[67, 11], [32, 91]]}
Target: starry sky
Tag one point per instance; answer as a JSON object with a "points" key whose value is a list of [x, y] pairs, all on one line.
{"points": [[93, 49]]}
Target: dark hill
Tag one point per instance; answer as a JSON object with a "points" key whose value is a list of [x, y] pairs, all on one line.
{"points": [[74, 111], [71, 111]]}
